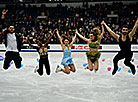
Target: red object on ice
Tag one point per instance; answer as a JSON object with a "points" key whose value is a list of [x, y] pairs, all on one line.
{"points": [[109, 68], [103, 60]]}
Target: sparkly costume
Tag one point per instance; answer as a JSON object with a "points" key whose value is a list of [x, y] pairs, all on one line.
{"points": [[43, 52], [93, 54], [67, 59]]}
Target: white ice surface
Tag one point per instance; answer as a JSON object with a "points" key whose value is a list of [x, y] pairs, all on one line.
{"points": [[23, 85]]}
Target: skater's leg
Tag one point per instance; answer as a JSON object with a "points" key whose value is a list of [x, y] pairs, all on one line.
{"points": [[118, 57], [7, 60], [17, 60], [90, 65], [66, 70], [129, 64], [47, 66], [96, 65], [40, 70], [72, 67]]}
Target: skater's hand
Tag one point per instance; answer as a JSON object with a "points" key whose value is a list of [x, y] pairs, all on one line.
{"points": [[25, 40], [76, 31], [4, 12], [57, 31], [102, 23], [54, 30], [34, 40], [137, 20]]}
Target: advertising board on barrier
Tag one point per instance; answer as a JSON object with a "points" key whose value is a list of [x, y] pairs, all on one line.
{"points": [[85, 47], [75, 48], [82, 47]]}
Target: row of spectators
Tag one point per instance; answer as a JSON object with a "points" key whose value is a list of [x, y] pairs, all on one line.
{"points": [[37, 23]]}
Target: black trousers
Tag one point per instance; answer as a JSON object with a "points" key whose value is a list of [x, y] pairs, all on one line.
{"points": [[44, 61], [9, 56], [127, 62]]}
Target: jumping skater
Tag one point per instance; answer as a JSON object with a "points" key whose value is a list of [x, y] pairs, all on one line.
{"points": [[124, 40], [94, 42], [13, 44], [43, 52], [67, 59]]}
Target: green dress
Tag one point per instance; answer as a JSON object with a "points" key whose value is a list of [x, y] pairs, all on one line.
{"points": [[93, 56]]}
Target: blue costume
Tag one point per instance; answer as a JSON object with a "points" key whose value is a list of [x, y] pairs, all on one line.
{"points": [[67, 59]]}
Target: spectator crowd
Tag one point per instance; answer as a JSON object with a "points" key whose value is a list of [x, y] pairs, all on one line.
{"points": [[38, 23]]}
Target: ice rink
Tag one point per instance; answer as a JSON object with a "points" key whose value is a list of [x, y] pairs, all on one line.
{"points": [[23, 85]]}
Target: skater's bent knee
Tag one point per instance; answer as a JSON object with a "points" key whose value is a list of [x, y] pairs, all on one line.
{"points": [[96, 69], [40, 73], [48, 73], [67, 72], [18, 67], [5, 68], [91, 69], [74, 70]]}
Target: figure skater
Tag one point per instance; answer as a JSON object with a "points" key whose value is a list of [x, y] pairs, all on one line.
{"points": [[94, 42], [67, 59], [124, 40], [13, 43], [43, 52]]}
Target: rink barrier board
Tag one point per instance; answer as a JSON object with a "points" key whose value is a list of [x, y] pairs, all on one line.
{"points": [[77, 48], [30, 50]]}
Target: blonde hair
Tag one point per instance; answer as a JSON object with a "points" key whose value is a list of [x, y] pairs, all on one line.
{"points": [[97, 31]]}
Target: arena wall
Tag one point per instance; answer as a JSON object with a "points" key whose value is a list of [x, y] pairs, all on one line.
{"points": [[77, 4]]}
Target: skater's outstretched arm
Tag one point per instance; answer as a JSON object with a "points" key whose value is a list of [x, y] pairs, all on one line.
{"points": [[60, 39], [49, 38], [73, 40], [134, 29], [111, 32], [85, 39], [30, 43], [4, 13], [101, 36]]}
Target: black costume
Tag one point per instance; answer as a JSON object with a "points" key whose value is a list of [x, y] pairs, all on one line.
{"points": [[126, 53], [43, 52]]}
